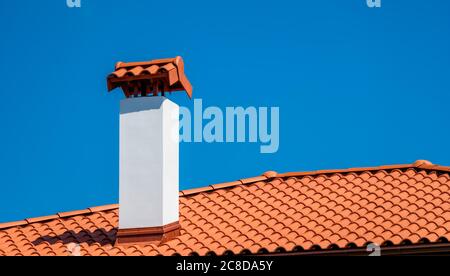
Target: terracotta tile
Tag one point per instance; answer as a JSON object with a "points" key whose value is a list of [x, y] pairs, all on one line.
{"points": [[298, 210], [253, 179], [13, 224], [149, 74], [41, 219], [197, 191], [73, 213], [226, 185], [104, 208], [270, 174]]}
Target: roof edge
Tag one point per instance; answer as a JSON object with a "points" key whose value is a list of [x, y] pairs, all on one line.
{"points": [[68, 214]]}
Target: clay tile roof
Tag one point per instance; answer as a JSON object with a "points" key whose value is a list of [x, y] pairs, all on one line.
{"points": [[150, 77], [400, 205]]}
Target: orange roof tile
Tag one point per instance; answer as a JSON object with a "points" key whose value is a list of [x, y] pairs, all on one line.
{"points": [[400, 205], [150, 77]]}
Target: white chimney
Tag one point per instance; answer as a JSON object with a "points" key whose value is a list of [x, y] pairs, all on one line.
{"points": [[149, 150], [148, 173]]}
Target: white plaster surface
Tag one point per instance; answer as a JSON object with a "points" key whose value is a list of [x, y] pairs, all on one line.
{"points": [[149, 156]]}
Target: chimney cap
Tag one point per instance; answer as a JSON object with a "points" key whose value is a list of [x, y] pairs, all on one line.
{"points": [[150, 77]]}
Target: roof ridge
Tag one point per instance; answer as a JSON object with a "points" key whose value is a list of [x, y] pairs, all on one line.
{"points": [[419, 164], [269, 175]]}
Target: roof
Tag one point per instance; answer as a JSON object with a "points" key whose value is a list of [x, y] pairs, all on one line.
{"points": [[400, 205], [150, 77]]}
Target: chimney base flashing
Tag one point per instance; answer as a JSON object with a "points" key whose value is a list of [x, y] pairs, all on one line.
{"points": [[148, 235]]}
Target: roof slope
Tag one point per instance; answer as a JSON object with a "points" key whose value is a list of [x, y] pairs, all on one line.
{"points": [[390, 205]]}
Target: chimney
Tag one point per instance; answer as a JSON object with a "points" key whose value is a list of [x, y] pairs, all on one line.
{"points": [[149, 140]]}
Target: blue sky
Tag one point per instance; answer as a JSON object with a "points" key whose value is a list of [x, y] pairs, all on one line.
{"points": [[355, 86]]}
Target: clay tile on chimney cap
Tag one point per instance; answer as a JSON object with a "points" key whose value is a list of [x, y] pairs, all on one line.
{"points": [[420, 163], [118, 64], [166, 76]]}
